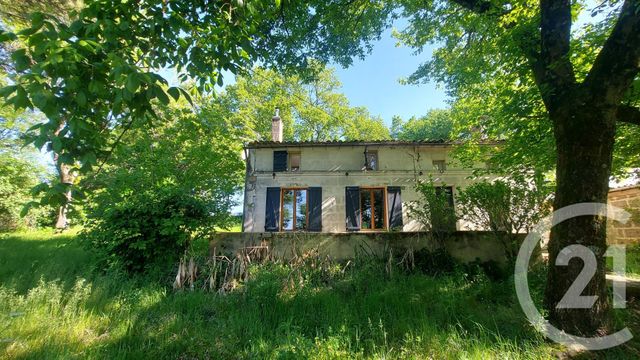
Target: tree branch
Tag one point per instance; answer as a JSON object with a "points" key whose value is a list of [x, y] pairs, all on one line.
{"points": [[618, 62], [628, 114], [555, 31]]}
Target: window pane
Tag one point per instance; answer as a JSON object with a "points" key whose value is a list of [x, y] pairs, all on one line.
{"points": [[301, 209], [378, 201], [294, 161], [287, 210], [365, 208], [372, 160]]}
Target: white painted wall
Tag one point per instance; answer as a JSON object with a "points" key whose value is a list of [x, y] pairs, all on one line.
{"points": [[327, 167]]}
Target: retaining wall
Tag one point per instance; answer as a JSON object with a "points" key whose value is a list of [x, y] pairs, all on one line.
{"points": [[465, 246]]}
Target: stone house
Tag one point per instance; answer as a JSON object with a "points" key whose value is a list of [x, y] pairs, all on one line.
{"points": [[342, 186]]}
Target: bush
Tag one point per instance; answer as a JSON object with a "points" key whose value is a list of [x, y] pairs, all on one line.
{"points": [[506, 207], [163, 188], [148, 230], [433, 210], [437, 262]]}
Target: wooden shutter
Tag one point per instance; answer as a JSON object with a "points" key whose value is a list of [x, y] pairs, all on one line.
{"points": [[279, 161], [394, 207], [314, 202], [272, 216], [352, 206]]}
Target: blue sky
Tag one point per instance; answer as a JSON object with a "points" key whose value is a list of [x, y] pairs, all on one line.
{"points": [[374, 82]]}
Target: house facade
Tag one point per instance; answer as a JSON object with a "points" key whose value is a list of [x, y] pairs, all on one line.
{"points": [[342, 186]]}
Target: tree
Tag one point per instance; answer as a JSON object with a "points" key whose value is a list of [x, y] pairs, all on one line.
{"points": [[311, 109], [164, 187], [435, 125], [515, 43]]}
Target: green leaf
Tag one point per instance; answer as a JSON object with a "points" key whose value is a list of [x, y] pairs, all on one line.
{"points": [[89, 158], [7, 36], [20, 59], [132, 83], [174, 92], [8, 90], [160, 94], [56, 144], [81, 99]]}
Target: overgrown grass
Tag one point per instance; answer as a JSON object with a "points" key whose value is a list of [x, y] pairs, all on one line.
{"points": [[54, 305], [632, 261]]}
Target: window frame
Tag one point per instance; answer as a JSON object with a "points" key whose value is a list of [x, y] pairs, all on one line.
{"points": [[366, 160], [289, 155], [295, 190], [371, 189], [439, 165]]}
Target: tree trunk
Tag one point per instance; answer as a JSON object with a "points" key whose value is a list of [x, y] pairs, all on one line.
{"points": [[66, 177], [584, 139]]}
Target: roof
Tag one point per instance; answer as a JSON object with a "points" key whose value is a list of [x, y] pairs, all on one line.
{"points": [[275, 144]]}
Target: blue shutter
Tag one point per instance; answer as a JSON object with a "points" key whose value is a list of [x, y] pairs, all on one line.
{"points": [[352, 206], [315, 208], [279, 161], [394, 207], [272, 216]]}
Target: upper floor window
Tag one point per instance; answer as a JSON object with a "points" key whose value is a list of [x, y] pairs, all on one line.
{"points": [[440, 165], [286, 161], [294, 161], [371, 158]]}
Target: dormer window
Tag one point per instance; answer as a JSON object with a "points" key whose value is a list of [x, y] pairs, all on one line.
{"points": [[371, 158]]}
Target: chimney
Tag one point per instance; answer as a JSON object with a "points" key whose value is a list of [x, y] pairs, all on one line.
{"points": [[276, 127]]}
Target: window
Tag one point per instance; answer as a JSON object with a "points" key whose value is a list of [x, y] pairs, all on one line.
{"points": [[279, 161], [371, 158], [372, 209], [448, 220], [294, 161], [294, 210], [440, 165]]}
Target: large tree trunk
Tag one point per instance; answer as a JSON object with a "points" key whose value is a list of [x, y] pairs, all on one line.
{"points": [[584, 139]]}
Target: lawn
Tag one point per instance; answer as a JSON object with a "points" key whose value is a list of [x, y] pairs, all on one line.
{"points": [[54, 304]]}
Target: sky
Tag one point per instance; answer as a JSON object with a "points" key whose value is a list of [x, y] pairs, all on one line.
{"points": [[374, 82]]}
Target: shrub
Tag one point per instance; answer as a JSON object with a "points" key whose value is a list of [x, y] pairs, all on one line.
{"points": [[162, 189], [506, 207], [433, 209], [436, 262], [148, 229]]}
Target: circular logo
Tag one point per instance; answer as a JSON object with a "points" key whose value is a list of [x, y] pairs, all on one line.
{"points": [[572, 299]]}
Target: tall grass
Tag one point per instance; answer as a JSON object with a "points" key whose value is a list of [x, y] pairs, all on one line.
{"points": [[53, 304]]}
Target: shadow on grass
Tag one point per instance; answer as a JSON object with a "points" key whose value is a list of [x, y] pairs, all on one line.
{"points": [[399, 317], [364, 313], [27, 258]]}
